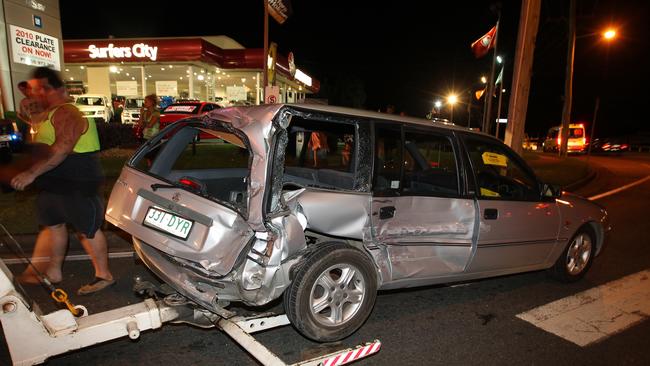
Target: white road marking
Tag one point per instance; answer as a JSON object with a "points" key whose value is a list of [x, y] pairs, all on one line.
{"points": [[593, 315], [619, 189], [76, 257]]}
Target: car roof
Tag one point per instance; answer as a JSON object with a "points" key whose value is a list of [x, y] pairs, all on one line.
{"points": [[266, 113], [191, 102]]}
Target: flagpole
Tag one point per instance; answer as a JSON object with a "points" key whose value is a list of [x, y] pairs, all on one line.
{"points": [[265, 56], [490, 90]]}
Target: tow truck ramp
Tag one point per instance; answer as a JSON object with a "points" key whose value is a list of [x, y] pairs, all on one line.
{"points": [[32, 338]]}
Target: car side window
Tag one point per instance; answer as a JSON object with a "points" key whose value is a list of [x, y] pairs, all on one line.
{"points": [[321, 154], [388, 160], [429, 165], [207, 108], [498, 174]]}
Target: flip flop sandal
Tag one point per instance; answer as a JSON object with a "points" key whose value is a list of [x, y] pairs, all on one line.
{"points": [[97, 285]]}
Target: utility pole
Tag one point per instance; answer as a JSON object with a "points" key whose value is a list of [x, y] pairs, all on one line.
{"points": [[523, 64], [593, 127], [487, 117], [469, 109], [568, 80], [265, 56]]}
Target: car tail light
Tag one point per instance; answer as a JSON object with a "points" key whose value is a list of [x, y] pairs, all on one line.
{"points": [[189, 183]]}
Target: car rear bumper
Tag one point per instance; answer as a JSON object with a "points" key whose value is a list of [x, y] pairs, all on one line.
{"points": [[200, 289]]}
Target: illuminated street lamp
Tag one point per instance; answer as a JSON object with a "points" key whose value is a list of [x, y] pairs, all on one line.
{"points": [[609, 34], [451, 100], [483, 79], [437, 104]]}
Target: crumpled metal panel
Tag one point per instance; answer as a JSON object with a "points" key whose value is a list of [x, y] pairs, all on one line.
{"points": [[256, 123], [214, 247], [420, 219], [426, 237], [342, 214], [265, 273]]}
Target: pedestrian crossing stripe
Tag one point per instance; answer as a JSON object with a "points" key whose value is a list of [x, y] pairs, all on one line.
{"points": [[595, 314]]}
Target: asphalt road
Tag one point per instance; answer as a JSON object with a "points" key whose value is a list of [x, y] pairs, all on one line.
{"points": [[467, 324]]}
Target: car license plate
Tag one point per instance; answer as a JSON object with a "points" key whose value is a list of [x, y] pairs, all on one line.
{"points": [[168, 222]]}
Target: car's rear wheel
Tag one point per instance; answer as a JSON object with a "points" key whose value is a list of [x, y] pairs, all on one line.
{"points": [[577, 257], [332, 293]]}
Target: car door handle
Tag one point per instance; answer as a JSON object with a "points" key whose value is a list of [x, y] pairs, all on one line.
{"points": [[491, 214], [386, 212]]}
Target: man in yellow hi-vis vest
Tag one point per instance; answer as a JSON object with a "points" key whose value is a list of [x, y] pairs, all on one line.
{"points": [[68, 176]]}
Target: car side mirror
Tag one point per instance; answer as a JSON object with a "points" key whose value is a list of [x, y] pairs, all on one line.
{"points": [[551, 190]]}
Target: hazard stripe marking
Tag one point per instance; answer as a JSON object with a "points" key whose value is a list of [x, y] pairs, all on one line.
{"points": [[593, 315], [353, 355]]}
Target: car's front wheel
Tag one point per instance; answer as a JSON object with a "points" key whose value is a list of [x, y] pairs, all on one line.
{"points": [[332, 293], [577, 257]]}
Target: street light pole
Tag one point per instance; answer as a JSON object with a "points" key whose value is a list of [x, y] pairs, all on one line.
{"points": [[568, 81], [593, 126], [451, 100], [499, 110]]}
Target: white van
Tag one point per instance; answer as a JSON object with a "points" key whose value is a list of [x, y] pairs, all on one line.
{"points": [[577, 142]]}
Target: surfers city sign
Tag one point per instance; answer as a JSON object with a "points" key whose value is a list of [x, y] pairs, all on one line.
{"points": [[138, 50]]}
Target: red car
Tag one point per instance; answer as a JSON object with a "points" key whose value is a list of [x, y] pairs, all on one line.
{"points": [[180, 110]]}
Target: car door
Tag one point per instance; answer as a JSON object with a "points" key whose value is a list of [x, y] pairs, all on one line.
{"points": [[518, 229], [418, 213]]}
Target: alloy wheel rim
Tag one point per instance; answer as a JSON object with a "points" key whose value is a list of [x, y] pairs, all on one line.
{"points": [[578, 254], [337, 295]]}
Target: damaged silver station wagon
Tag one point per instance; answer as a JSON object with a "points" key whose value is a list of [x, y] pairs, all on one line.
{"points": [[326, 205]]}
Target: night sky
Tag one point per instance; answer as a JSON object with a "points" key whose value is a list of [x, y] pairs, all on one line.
{"points": [[409, 53]]}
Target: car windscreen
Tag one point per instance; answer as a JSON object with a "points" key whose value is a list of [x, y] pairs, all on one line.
{"points": [[182, 109], [216, 168], [90, 101], [134, 103]]}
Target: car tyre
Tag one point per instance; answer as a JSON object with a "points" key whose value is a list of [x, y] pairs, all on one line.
{"points": [[577, 257], [332, 293]]}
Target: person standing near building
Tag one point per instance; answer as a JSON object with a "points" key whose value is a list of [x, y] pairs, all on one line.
{"points": [[30, 109], [149, 117], [68, 177]]}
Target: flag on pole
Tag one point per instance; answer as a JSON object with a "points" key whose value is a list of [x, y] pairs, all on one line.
{"points": [[479, 93], [280, 10], [481, 46], [499, 78]]}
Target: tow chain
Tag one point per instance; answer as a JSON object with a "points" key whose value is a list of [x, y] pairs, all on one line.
{"points": [[57, 294]]}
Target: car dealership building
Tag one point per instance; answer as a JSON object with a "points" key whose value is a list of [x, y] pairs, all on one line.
{"points": [[205, 68], [214, 68]]}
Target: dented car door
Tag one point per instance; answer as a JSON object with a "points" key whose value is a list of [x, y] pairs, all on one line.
{"points": [[418, 212]]}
